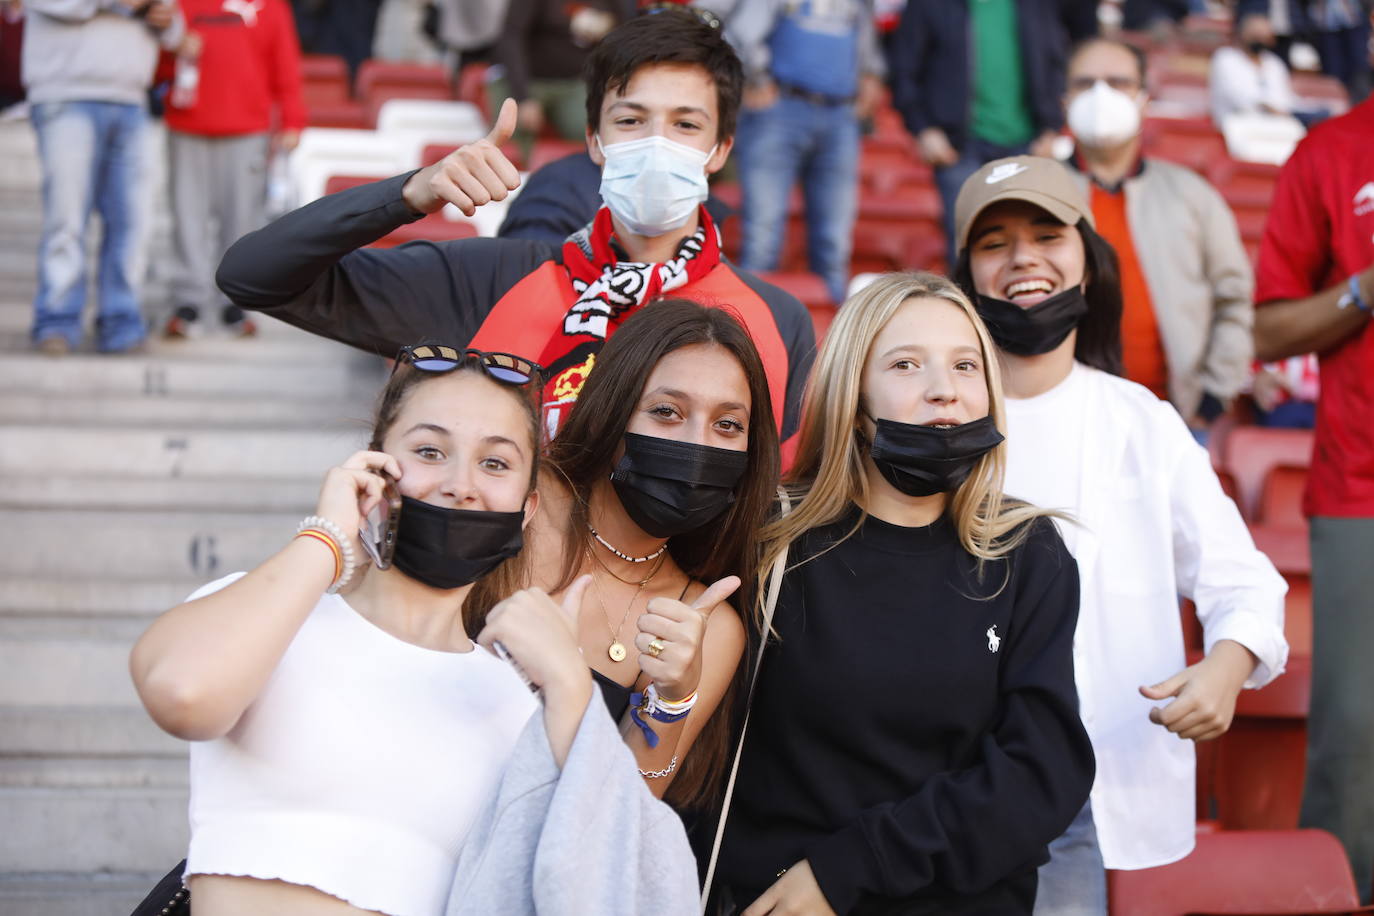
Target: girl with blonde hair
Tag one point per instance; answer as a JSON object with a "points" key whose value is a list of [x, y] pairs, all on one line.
{"points": [[914, 741]]}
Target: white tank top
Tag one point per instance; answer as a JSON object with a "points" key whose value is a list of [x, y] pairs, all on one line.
{"points": [[360, 767]]}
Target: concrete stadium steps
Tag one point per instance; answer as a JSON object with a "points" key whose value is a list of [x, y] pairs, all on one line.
{"points": [[74, 893], [110, 492], [74, 544], [126, 482]]}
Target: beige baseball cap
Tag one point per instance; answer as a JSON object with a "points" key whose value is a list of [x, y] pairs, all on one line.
{"points": [[1034, 179]]}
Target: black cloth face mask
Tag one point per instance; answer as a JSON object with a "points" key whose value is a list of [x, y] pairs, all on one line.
{"points": [[450, 548], [671, 487], [1035, 330], [925, 460]]}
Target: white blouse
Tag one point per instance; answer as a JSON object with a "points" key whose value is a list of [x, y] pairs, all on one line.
{"points": [[1152, 524], [361, 766]]}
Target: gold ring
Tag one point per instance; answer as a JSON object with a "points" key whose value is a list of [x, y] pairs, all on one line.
{"points": [[655, 647]]}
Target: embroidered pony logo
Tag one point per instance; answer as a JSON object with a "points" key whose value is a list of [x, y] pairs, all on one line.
{"points": [[994, 641], [246, 9]]}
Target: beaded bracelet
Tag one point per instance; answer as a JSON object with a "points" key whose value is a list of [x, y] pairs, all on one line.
{"points": [[342, 543], [659, 774]]}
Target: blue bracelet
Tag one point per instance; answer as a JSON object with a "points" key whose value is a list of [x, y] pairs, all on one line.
{"points": [[637, 704]]}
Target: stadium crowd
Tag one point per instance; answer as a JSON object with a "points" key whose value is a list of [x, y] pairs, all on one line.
{"points": [[920, 454]]}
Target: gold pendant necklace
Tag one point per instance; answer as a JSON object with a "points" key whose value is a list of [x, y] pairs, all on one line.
{"points": [[616, 650]]}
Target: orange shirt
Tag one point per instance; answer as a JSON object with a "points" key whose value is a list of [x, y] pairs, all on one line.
{"points": [[1141, 347]]}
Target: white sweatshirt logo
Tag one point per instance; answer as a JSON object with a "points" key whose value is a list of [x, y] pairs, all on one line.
{"points": [[994, 641]]}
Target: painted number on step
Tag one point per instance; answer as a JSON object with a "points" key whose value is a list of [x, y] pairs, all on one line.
{"points": [[155, 381], [178, 447], [204, 555]]}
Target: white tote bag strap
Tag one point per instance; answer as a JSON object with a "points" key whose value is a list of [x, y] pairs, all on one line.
{"points": [[770, 602]]}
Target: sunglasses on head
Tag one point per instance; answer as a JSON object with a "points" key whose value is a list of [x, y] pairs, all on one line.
{"points": [[503, 367]]}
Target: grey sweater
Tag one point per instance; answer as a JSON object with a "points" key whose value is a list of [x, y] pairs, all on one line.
{"points": [[588, 839], [90, 51]]}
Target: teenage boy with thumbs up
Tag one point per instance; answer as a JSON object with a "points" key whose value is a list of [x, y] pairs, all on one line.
{"points": [[663, 93]]}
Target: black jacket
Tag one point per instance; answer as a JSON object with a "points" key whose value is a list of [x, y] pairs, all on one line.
{"points": [[932, 67], [309, 268]]}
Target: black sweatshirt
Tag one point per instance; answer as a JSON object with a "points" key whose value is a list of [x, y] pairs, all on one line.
{"points": [[309, 268], [919, 747]]}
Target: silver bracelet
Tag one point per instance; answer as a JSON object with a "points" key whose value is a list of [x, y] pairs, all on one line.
{"points": [[350, 562], [659, 774]]}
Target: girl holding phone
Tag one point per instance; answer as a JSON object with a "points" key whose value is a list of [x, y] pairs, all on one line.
{"points": [[343, 746], [914, 740]]}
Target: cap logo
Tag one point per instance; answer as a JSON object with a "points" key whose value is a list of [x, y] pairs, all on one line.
{"points": [[1004, 171]]}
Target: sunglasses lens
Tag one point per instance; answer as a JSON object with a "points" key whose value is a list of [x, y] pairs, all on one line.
{"points": [[507, 374], [435, 364]]}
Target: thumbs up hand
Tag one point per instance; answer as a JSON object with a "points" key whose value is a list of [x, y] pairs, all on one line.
{"points": [[541, 635], [471, 175], [670, 637]]}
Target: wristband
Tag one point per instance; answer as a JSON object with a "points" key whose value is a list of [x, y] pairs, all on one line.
{"points": [[1352, 296], [651, 705]]}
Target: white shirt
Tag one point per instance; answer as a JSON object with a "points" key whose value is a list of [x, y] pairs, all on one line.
{"points": [[360, 767], [1241, 86], [1152, 524]]}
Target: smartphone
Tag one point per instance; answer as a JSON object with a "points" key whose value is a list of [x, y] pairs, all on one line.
{"points": [[378, 533]]}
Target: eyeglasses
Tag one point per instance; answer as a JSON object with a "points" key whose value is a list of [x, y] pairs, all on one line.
{"points": [[503, 367], [1127, 84], [706, 16]]}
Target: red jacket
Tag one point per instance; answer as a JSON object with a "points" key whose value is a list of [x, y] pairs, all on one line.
{"points": [[250, 65]]}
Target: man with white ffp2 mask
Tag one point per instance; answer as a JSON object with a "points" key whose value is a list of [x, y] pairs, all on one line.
{"points": [[663, 94], [1186, 280]]}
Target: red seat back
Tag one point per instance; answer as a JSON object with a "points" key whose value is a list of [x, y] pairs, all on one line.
{"points": [[1243, 872], [1251, 451], [1281, 496]]}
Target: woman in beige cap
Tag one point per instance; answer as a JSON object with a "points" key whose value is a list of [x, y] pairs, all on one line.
{"points": [[1152, 524]]}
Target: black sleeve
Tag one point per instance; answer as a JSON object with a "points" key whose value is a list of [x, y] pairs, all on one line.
{"points": [[556, 201], [308, 269], [910, 50], [798, 335], [970, 828]]}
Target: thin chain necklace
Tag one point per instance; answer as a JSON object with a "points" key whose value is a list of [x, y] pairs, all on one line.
{"points": [[616, 650], [614, 575], [625, 556]]}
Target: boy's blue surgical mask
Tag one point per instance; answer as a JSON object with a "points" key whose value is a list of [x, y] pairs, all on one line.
{"points": [[653, 185]]}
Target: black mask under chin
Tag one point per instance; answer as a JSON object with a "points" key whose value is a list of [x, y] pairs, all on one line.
{"points": [[1035, 330], [925, 460], [450, 548], [671, 487]]}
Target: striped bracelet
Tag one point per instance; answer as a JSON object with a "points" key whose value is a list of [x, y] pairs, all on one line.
{"points": [[345, 561]]}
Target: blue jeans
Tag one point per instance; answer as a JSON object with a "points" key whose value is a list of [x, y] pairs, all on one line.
{"points": [[818, 144], [1073, 882], [949, 179], [92, 158]]}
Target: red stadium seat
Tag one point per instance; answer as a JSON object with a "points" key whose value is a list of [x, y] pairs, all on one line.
{"points": [[337, 183], [807, 287], [422, 80], [1252, 450], [1191, 142], [1272, 872], [472, 87], [338, 114], [1281, 496], [1297, 613], [1286, 547], [1228, 484], [323, 67], [1259, 764], [432, 228], [1319, 87]]}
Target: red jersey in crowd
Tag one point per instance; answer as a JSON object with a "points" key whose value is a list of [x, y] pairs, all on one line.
{"points": [[1320, 231], [250, 65]]}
